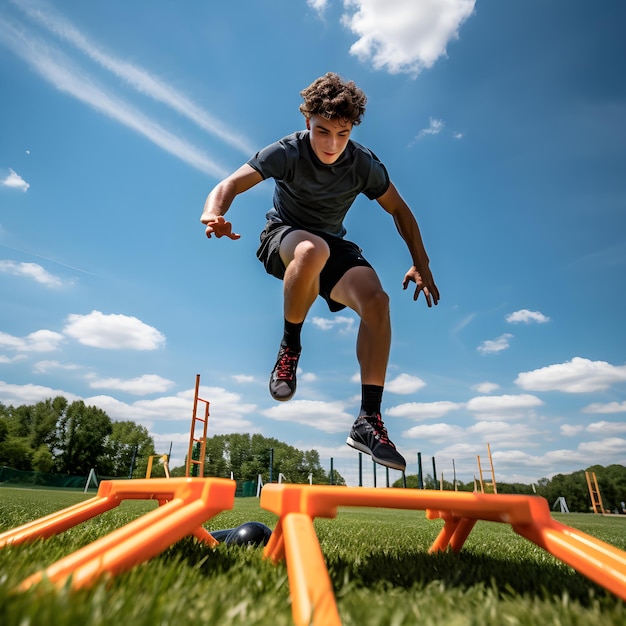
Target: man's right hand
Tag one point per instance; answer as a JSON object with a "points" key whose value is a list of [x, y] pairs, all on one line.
{"points": [[219, 227]]}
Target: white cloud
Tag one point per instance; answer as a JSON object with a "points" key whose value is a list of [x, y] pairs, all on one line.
{"points": [[39, 341], [17, 395], [243, 378], [318, 5], [609, 407], [576, 376], [404, 36], [607, 428], [9, 342], [434, 128], [43, 367], [611, 447], [225, 407], [502, 407], [404, 384], [434, 432], [525, 316], [228, 414], [486, 387], [345, 324], [495, 345], [113, 332], [329, 417], [15, 181], [142, 385], [501, 434], [492, 428], [5, 359], [571, 430], [423, 410], [30, 270], [562, 458]]}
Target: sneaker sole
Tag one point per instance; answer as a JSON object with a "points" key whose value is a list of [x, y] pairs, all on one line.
{"points": [[282, 398], [363, 448]]}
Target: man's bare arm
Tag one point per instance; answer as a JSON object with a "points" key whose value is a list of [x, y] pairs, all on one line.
{"points": [[407, 226], [221, 197]]}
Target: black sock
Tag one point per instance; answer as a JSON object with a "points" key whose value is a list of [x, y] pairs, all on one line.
{"points": [[291, 336], [371, 398]]}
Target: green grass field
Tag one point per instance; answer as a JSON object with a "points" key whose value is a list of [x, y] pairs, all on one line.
{"points": [[377, 560]]}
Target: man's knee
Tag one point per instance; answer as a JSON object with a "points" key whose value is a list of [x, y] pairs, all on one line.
{"points": [[310, 255], [377, 304]]}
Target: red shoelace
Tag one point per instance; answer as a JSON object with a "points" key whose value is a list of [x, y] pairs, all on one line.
{"points": [[287, 365], [377, 424]]}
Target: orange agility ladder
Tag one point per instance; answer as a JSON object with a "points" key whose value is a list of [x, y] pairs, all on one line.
{"points": [[294, 538], [195, 467], [594, 493], [184, 505]]}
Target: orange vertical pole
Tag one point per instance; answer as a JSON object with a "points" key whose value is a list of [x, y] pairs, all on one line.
{"points": [[493, 474], [480, 475]]}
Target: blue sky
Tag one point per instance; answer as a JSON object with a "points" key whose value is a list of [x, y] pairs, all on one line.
{"points": [[503, 125]]}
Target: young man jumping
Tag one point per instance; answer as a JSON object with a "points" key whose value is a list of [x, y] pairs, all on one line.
{"points": [[318, 173]]}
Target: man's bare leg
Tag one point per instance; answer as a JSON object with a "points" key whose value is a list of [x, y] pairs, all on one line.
{"points": [[304, 256], [360, 289]]}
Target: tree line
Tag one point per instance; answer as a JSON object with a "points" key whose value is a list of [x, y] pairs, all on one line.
{"points": [[56, 436], [246, 457]]}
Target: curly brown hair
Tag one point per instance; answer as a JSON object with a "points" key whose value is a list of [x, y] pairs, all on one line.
{"points": [[333, 98]]}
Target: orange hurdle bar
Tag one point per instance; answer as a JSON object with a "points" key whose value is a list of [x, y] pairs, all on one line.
{"points": [[185, 503], [294, 537]]}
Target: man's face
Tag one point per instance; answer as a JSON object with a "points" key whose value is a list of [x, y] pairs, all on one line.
{"points": [[329, 138]]}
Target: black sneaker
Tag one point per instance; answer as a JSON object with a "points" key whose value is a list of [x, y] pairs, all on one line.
{"points": [[369, 435], [283, 378]]}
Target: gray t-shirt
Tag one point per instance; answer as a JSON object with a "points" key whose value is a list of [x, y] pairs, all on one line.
{"points": [[312, 195]]}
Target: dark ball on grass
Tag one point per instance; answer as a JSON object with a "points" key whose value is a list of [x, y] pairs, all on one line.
{"points": [[249, 534]]}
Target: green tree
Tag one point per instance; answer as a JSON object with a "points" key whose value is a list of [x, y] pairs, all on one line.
{"points": [[215, 461], [4, 428], [573, 487], [42, 460], [246, 456], [19, 421], [127, 441], [82, 432], [43, 422], [16, 452], [35, 426], [515, 488]]}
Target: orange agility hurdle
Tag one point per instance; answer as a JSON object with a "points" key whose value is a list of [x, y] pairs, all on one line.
{"points": [[184, 504], [312, 596]]}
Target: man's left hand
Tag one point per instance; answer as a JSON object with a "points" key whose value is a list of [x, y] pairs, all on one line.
{"points": [[423, 282]]}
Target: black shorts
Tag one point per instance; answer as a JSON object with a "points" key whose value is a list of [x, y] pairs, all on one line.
{"points": [[344, 255]]}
